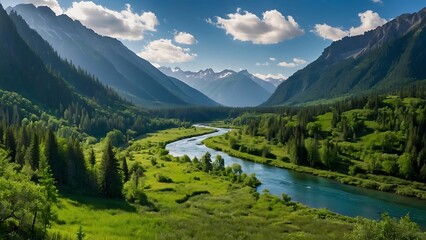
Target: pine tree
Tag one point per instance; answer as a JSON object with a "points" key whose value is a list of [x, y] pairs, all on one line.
{"points": [[109, 180], [52, 157], [34, 152], [125, 169], [92, 158], [10, 143]]}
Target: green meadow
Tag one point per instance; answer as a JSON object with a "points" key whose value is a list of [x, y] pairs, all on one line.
{"points": [[194, 205]]}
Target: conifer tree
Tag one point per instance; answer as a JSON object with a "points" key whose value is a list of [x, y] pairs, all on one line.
{"points": [[34, 152], [92, 158], [10, 143], [109, 179], [52, 158], [125, 169]]}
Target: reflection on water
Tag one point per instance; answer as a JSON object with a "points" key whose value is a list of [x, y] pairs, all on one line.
{"points": [[311, 190]]}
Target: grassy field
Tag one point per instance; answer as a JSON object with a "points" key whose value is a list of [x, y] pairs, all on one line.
{"points": [[223, 211], [378, 182]]}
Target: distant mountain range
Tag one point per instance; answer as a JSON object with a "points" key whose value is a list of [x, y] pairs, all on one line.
{"points": [[229, 88], [386, 58], [110, 61]]}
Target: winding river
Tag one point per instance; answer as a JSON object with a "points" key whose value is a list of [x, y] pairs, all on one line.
{"points": [[311, 190]]}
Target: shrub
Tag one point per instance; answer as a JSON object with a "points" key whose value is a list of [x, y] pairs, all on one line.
{"points": [[164, 179], [354, 170]]}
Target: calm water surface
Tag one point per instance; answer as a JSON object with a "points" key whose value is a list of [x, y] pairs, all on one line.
{"points": [[311, 190]]}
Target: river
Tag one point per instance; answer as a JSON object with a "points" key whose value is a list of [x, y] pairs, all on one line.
{"points": [[311, 190]]}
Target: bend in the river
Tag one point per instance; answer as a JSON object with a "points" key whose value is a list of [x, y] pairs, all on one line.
{"points": [[310, 190]]}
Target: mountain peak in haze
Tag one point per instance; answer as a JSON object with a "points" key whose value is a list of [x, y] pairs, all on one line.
{"points": [[229, 88]]}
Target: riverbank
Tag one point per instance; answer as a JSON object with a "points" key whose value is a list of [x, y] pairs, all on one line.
{"points": [[381, 183], [225, 210]]}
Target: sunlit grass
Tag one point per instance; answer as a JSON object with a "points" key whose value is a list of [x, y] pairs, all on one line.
{"points": [[227, 211]]}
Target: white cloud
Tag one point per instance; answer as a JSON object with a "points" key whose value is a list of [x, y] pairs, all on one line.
{"points": [[299, 61], [296, 62], [185, 38], [272, 59], [369, 20], [377, 1], [246, 26], [262, 64], [270, 76], [287, 64], [328, 32], [123, 25], [164, 51]]}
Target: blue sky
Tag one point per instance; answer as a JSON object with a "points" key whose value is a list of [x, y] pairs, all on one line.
{"points": [[257, 35]]}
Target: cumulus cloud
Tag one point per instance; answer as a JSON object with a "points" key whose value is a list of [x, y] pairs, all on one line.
{"points": [[272, 59], [299, 61], [296, 62], [262, 64], [377, 1], [270, 76], [124, 24], [164, 51], [328, 32], [185, 38], [369, 20], [246, 26]]}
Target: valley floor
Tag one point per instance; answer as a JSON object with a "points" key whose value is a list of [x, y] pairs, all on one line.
{"points": [[210, 206]]}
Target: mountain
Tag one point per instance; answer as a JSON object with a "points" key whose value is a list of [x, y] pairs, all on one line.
{"points": [[275, 81], [79, 81], [109, 60], [236, 90], [229, 88], [268, 86], [386, 58], [23, 72], [195, 79]]}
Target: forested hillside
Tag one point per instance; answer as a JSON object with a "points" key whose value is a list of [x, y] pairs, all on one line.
{"points": [[376, 139]]}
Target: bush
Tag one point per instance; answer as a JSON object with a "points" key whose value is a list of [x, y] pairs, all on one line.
{"points": [[187, 196], [185, 158], [116, 137], [153, 161], [354, 170], [164, 179], [369, 184], [163, 152], [387, 228], [166, 158], [134, 193]]}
